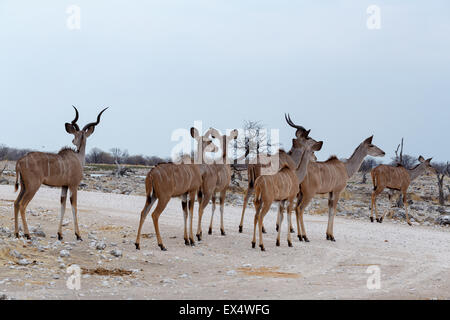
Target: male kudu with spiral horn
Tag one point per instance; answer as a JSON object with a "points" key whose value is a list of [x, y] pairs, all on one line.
{"points": [[63, 169]]}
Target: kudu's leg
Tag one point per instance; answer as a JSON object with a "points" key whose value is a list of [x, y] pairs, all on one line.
{"points": [[184, 206], [280, 220], [332, 203], [280, 209], [73, 202], [148, 205], [191, 216], [203, 201], [162, 203], [27, 196], [63, 210], [257, 204], [248, 193], [299, 211], [213, 208], [290, 228], [375, 194], [265, 208], [16, 210], [389, 209], [223, 193]]}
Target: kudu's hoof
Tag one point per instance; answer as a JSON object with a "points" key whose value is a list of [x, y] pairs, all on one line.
{"points": [[137, 246], [17, 235], [264, 230], [253, 245], [60, 237], [262, 247], [278, 243], [240, 229], [223, 233], [305, 238], [186, 242], [78, 237], [289, 243], [292, 230], [331, 238], [210, 231], [192, 242], [381, 220], [27, 236], [300, 238], [162, 247], [199, 237], [276, 228], [371, 219]]}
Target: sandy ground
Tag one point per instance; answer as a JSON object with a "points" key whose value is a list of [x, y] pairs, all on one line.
{"points": [[414, 262]]}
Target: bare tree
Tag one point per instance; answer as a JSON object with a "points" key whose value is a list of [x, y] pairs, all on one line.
{"points": [[366, 167], [442, 170]]}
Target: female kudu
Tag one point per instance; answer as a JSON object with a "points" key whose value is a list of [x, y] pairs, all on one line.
{"points": [[395, 178], [331, 177]]}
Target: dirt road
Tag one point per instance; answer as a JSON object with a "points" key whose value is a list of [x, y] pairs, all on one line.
{"points": [[414, 262]]}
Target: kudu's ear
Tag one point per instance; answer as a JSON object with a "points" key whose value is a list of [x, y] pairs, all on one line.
{"points": [[421, 159], [369, 140], [234, 134], [317, 146], [89, 131], [428, 160], [70, 128], [194, 133]]}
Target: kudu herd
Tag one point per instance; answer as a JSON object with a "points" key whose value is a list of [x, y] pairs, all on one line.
{"points": [[297, 179]]}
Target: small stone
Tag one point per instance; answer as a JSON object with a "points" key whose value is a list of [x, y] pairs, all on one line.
{"points": [[100, 245], [168, 280], [64, 253], [24, 262], [16, 254], [116, 253], [231, 273]]}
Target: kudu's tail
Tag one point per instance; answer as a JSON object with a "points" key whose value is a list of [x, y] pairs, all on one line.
{"points": [[149, 185], [16, 186], [374, 179]]}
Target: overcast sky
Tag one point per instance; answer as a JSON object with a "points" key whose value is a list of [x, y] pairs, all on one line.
{"points": [[161, 65]]}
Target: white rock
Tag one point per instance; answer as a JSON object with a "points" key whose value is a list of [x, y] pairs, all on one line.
{"points": [[64, 253]]}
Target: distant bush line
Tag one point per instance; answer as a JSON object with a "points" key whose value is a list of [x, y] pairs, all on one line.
{"points": [[94, 156]]}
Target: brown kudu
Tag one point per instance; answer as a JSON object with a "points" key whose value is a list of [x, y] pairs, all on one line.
{"points": [[216, 177], [282, 186], [254, 170], [395, 178], [331, 177], [163, 182], [64, 169]]}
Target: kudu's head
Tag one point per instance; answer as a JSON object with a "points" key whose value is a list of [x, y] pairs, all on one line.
{"points": [[426, 164], [224, 139], [302, 139], [205, 143], [371, 149], [80, 136]]}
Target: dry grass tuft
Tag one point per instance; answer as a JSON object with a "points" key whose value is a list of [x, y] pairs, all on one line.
{"points": [[268, 272]]}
